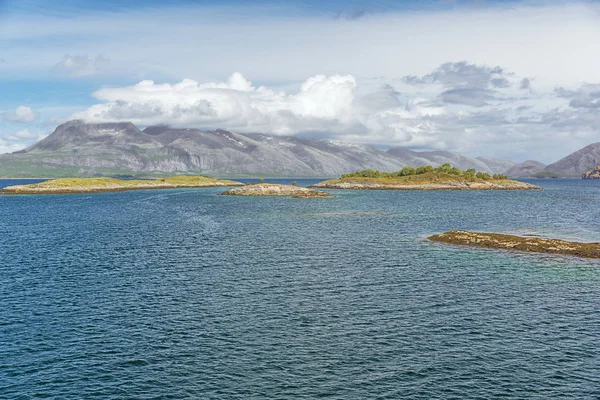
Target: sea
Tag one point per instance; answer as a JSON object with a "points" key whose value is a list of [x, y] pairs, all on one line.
{"points": [[185, 294]]}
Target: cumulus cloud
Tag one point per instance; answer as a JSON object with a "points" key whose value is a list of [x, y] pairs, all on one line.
{"points": [[463, 75], [320, 102], [328, 105], [8, 147], [468, 96], [22, 135], [525, 84], [456, 107], [587, 96], [20, 114], [81, 65], [466, 84], [19, 140]]}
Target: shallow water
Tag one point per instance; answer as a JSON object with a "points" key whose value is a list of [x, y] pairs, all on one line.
{"points": [[185, 294]]}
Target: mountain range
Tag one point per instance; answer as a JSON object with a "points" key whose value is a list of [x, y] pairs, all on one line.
{"points": [[77, 148]]}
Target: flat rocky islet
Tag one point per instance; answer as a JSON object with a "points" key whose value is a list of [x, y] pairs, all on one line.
{"points": [[441, 178], [510, 242], [97, 185], [274, 189]]}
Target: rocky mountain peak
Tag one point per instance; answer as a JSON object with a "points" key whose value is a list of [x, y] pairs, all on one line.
{"points": [[79, 133], [576, 163]]}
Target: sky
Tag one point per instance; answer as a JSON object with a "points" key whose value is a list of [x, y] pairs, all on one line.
{"points": [[508, 79]]}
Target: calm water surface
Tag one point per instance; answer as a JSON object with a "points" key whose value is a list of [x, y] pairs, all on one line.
{"points": [[179, 294]]}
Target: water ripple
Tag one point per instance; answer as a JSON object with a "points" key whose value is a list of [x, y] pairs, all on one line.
{"points": [[186, 294]]}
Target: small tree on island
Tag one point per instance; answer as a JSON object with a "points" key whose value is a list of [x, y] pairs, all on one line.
{"points": [[261, 180], [407, 171], [424, 169]]}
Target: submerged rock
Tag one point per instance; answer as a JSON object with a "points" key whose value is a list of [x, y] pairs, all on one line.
{"points": [[510, 242], [271, 189]]}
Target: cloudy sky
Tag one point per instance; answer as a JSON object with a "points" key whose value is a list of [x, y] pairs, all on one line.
{"points": [[515, 80]]}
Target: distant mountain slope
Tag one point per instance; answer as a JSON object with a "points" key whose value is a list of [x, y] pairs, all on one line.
{"points": [[80, 149], [418, 158], [575, 164], [525, 169]]}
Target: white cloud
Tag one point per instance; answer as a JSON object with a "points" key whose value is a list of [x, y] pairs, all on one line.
{"points": [[24, 134], [20, 114], [326, 105], [546, 40], [357, 64], [321, 103], [19, 140], [8, 146], [483, 118], [587, 96], [82, 65]]}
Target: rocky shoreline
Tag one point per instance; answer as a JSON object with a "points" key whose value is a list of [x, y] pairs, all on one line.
{"points": [[510, 242], [592, 174], [366, 185], [272, 189], [100, 185]]}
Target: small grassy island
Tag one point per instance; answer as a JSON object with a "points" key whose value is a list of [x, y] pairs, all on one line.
{"points": [[272, 189], [444, 177], [510, 242], [95, 185]]}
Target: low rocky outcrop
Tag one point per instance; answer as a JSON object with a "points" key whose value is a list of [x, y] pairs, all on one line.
{"points": [[271, 189], [592, 174], [96, 185], [510, 242]]}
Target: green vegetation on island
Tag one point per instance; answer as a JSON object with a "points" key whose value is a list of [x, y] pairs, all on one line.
{"points": [[444, 177], [469, 174], [92, 185], [510, 242]]}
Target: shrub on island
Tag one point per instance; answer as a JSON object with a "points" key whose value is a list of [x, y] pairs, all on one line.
{"points": [[469, 174]]}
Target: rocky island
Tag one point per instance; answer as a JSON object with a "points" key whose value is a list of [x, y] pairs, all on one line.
{"points": [[592, 174], [444, 177], [510, 242], [95, 185], [272, 189]]}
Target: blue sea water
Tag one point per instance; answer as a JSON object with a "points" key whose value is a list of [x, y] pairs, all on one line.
{"points": [[183, 294]]}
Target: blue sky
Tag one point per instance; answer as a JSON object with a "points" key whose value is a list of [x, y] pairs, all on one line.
{"points": [[507, 79], [332, 7]]}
